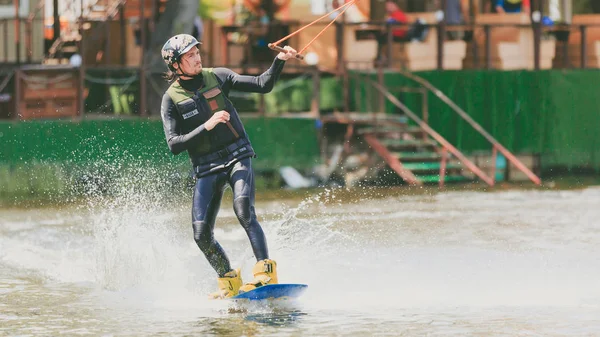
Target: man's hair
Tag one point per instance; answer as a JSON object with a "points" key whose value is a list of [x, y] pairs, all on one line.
{"points": [[170, 76]]}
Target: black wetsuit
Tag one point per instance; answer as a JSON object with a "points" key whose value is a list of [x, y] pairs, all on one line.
{"points": [[184, 134]]}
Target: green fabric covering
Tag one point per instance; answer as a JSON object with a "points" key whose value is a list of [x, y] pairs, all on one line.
{"points": [[277, 141], [554, 113]]}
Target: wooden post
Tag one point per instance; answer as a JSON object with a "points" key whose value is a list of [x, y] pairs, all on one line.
{"points": [[56, 24], [123, 35], [537, 32], [339, 42], [81, 89], [390, 42], [583, 29], [488, 47], [357, 93], [17, 32], [472, 15], [346, 81], [143, 109], [5, 40], [316, 93], [107, 41], [28, 42], [441, 36], [17, 96], [381, 80]]}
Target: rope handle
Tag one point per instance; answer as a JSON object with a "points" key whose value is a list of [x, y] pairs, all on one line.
{"points": [[279, 49], [344, 7]]}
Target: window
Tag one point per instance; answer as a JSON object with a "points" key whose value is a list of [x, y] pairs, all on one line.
{"points": [[7, 9]]}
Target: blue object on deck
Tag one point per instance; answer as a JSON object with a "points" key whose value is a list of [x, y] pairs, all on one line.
{"points": [[273, 291], [500, 167]]}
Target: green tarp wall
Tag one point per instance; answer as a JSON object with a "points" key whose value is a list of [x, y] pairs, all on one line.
{"points": [[553, 113], [277, 141]]}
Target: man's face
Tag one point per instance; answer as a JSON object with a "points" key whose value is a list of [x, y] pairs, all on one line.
{"points": [[191, 62]]}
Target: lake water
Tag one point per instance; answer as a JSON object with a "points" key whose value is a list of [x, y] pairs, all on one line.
{"points": [[378, 263]]}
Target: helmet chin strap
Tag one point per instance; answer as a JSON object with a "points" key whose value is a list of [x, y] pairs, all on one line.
{"points": [[180, 71]]}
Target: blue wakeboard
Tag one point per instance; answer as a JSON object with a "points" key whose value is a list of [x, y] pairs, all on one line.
{"points": [[273, 291]]}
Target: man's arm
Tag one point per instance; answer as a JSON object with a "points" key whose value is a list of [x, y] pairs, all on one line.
{"points": [[177, 141], [262, 84]]}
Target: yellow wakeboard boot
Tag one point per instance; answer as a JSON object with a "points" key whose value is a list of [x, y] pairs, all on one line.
{"points": [[265, 272], [229, 285]]}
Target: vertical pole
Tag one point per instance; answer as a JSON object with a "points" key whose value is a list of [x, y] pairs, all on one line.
{"points": [[143, 110], [567, 11], [488, 47], [494, 159], [537, 33], [154, 10], [441, 30], [316, 99], [583, 29], [17, 100], [357, 93], [107, 25], [81, 89], [123, 31], [443, 167], [28, 43], [346, 81], [17, 32], [472, 15], [339, 42], [390, 44], [5, 40], [472, 11], [425, 104], [565, 54], [381, 81], [56, 24], [225, 47]]}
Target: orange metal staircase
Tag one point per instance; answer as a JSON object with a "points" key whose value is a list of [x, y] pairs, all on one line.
{"points": [[419, 154]]}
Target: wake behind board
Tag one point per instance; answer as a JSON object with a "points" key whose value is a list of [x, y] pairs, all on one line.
{"points": [[273, 291]]}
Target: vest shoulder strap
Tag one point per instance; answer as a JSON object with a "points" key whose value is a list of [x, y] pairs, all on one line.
{"points": [[178, 94], [210, 79]]}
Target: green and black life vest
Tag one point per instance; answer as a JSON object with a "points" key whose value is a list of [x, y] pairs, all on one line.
{"points": [[229, 137]]}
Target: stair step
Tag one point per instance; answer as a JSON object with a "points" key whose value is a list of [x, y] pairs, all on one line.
{"points": [[412, 156], [389, 129], [435, 178], [399, 143], [428, 166], [378, 130]]}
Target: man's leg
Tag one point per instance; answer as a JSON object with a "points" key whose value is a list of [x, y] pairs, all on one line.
{"points": [[242, 183], [241, 179], [206, 202]]}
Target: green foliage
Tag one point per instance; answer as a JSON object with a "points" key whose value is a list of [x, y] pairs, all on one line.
{"points": [[295, 95]]}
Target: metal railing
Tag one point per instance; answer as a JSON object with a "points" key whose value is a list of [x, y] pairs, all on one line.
{"points": [[446, 146], [384, 31]]}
